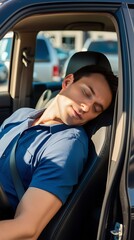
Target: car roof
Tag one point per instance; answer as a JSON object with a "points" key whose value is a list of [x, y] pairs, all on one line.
{"points": [[59, 20], [27, 2]]}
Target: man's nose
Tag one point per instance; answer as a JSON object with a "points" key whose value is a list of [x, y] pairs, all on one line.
{"points": [[86, 107]]}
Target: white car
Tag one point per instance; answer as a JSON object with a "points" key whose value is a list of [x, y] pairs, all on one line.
{"points": [[108, 47], [46, 63], [46, 66]]}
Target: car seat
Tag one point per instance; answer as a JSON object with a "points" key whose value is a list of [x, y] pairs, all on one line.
{"points": [[78, 218]]}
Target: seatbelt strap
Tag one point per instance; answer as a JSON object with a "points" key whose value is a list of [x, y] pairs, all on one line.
{"points": [[14, 172]]}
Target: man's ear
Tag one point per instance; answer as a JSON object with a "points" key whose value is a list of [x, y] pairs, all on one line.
{"points": [[69, 79]]}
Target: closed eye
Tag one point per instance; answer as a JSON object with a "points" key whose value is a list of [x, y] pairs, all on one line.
{"points": [[87, 93], [98, 108]]}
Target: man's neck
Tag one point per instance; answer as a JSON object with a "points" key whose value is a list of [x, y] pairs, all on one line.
{"points": [[50, 115], [48, 122]]}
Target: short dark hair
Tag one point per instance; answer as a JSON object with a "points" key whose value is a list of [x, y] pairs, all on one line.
{"points": [[111, 79]]}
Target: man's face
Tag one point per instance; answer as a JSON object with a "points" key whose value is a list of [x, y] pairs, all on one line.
{"points": [[83, 100]]}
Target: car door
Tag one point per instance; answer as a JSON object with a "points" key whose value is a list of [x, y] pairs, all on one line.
{"points": [[120, 183]]}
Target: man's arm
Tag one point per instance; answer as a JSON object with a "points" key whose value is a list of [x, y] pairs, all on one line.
{"points": [[35, 210]]}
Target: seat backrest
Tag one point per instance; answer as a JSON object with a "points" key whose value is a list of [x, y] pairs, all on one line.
{"points": [[81, 59], [78, 218]]}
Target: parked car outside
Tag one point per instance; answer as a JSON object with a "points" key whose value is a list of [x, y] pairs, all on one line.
{"points": [[107, 46], [46, 65]]}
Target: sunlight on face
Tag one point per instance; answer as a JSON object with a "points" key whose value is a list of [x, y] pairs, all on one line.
{"points": [[83, 100]]}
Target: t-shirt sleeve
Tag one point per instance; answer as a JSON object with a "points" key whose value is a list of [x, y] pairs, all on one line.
{"points": [[60, 167]]}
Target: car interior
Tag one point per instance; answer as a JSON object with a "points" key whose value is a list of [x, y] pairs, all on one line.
{"points": [[79, 217]]}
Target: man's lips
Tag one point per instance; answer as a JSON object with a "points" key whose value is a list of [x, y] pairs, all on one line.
{"points": [[77, 114]]}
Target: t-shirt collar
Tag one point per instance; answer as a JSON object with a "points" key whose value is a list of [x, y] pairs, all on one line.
{"points": [[54, 127]]}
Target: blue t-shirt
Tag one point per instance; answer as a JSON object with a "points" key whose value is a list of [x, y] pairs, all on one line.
{"points": [[47, 157]]}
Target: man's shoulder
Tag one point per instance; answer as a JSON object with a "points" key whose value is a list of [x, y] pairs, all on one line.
{"points": [[80, 133], [77, 133], [26, 112], [20, 115]]}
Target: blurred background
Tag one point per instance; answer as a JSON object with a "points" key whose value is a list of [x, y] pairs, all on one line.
{"points": [[53, 50]]}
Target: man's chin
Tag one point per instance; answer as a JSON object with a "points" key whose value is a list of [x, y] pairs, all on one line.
{"points": [[73, 123]]}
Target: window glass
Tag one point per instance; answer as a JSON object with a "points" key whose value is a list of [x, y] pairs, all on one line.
{"points": [[53, 50], [5, 56]]}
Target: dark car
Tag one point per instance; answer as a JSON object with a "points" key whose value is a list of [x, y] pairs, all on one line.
{"points": [[101, 205]]}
